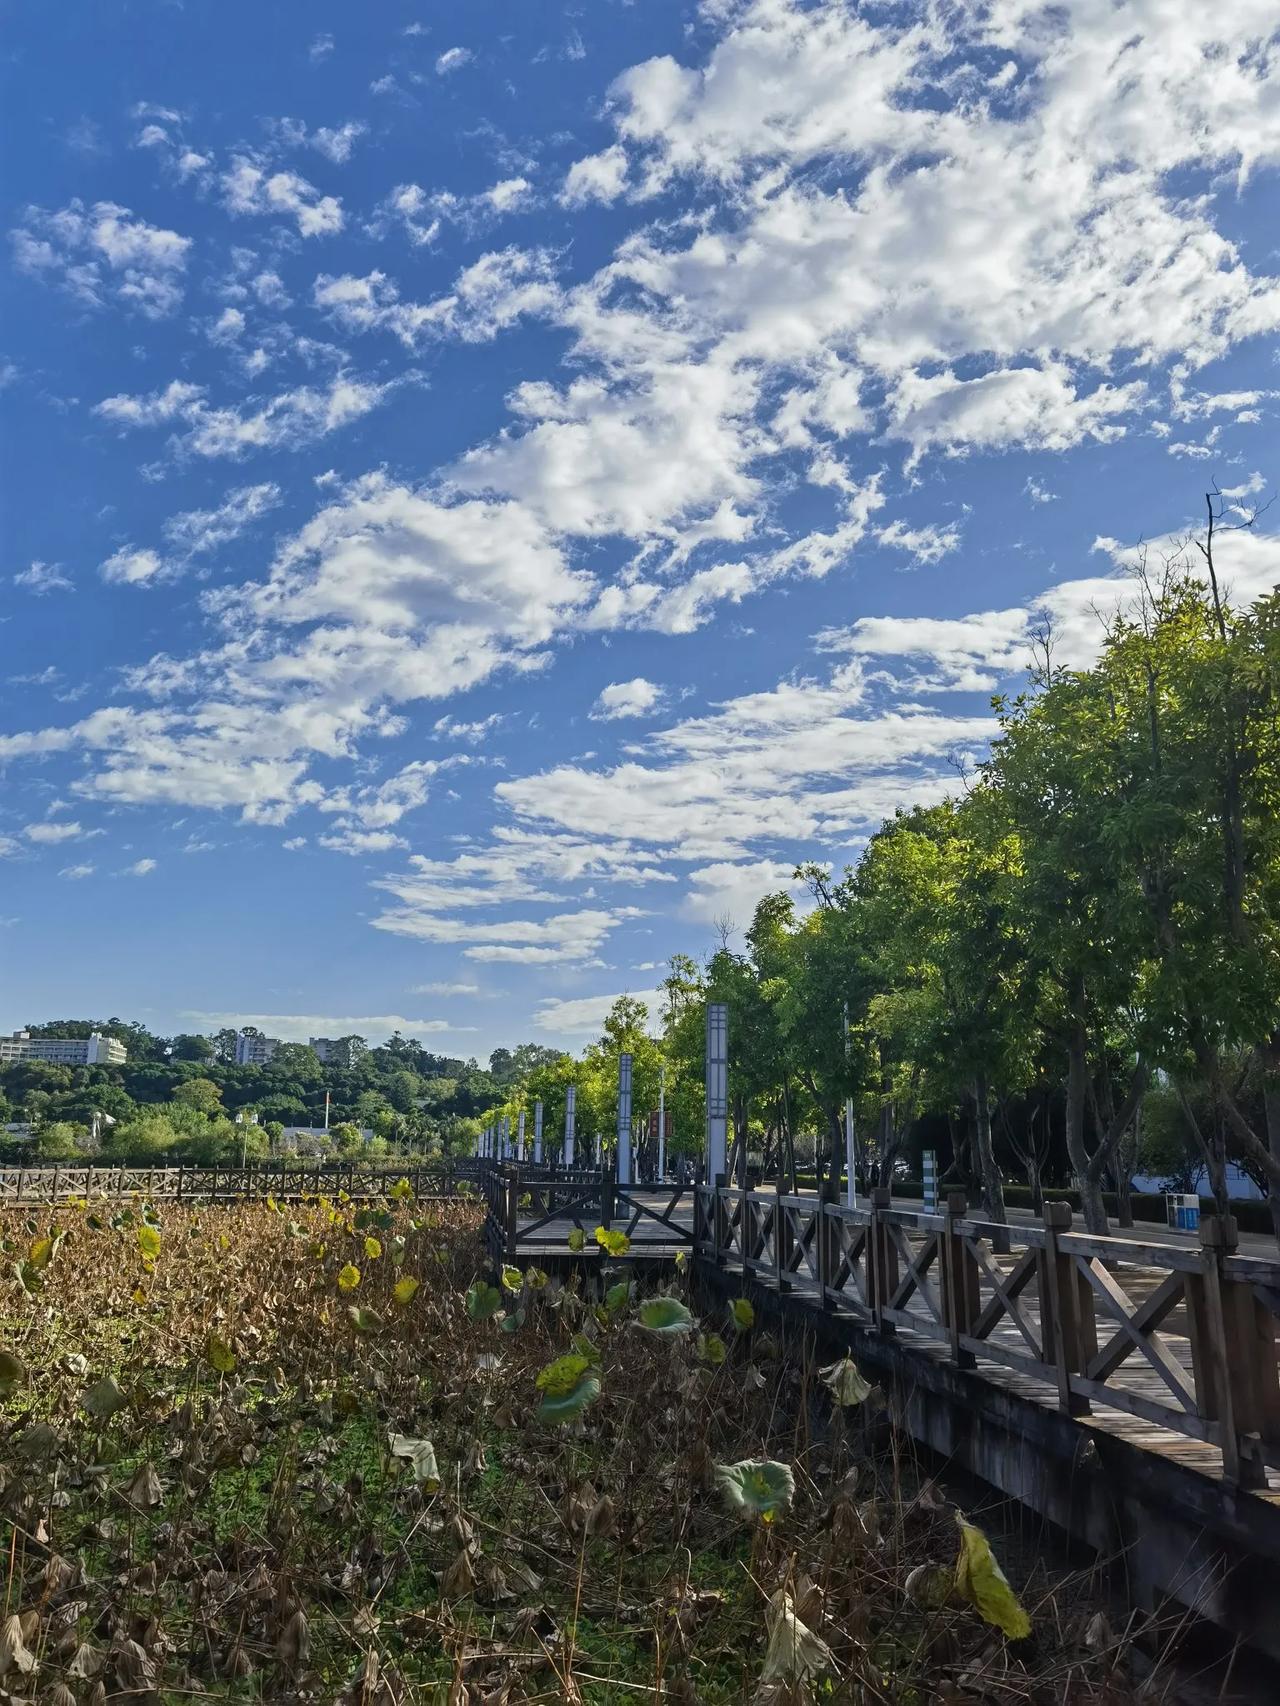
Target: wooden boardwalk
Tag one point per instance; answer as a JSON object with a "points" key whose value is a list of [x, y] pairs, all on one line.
{"points": [[1168, 1344]]}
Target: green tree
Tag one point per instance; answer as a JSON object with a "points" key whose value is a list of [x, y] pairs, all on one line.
{"points": [[202, 1094]]}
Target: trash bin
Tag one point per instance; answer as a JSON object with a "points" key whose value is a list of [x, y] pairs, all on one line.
{"points": [[1189, 1214]]}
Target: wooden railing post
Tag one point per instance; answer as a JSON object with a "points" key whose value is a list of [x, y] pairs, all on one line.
{"points": [[827, 1233], [1065, 1334], [781, 1242], [960, 1294], [512, 1212], [1237, 1341], [720, 1219], [607, 1197], [883, 1267]]}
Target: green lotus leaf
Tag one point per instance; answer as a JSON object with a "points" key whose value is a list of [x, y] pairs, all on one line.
{"points": [[665, 1315], [758, 1487], [364, 1320], [512, 1280], [483, 1301], [511, 1321], [563, 1407], [611, 1240], [744, 1316], [12, 1368], [617, 1297]]}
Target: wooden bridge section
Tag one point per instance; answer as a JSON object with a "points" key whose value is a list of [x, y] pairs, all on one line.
{"points": [[1127, 1388], [1163, 1342]]}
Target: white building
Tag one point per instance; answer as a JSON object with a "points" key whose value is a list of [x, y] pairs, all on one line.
{"points": [[93, 1050], [255, 1051], [335, 1051]]}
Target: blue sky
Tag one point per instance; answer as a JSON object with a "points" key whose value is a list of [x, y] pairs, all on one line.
{"points": [[488, 489]]}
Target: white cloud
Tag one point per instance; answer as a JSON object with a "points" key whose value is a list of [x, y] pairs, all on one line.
{"points": [[250, 187], [599, 177], [729, 889], [1023, 408], [196, 531], [473, 733], [360, 841], [584, 1015], [321, 47], [42, 577], [452, 59], [445, 989], [228, 327], [924, 545], [50, 834], [287, 421], [140, 868], [300, 1027], [76, 873], [487, 297], [335, 143], [103, 254], [637, 698], [127, 567]]}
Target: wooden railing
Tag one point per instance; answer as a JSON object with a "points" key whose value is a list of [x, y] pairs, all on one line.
{"points": [[1181, 1337], [57, 1183]]}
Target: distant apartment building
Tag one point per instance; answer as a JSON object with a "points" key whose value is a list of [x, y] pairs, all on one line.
{"points": [[253, 1050], [93, 1050], [335, 1051]]}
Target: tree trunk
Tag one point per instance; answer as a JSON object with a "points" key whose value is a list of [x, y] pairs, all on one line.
{"points": [[1269, 1056], [992, 1184], [1092, 1204]]}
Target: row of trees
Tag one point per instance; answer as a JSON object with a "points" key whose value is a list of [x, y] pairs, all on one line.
{"points": [[186, 1096], [1073, 967]]}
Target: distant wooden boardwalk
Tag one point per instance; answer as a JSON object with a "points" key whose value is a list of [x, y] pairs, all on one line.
{"points": [[285, 1181], [1167, 1344]]}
